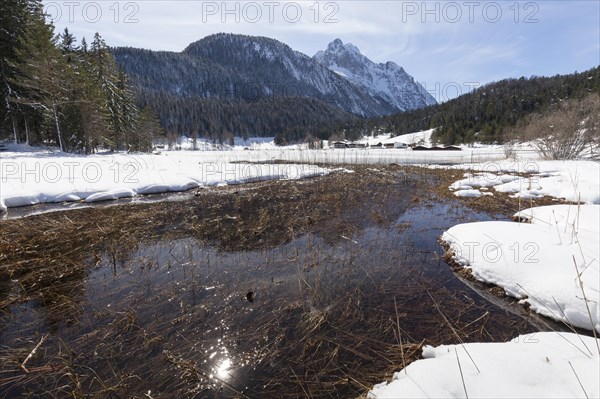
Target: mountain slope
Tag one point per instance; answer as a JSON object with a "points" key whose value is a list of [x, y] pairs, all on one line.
{"points": [[247, 68], [387, 82]]}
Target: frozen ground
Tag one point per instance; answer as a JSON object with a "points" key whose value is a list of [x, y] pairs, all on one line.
{"points": [[540, 365]]}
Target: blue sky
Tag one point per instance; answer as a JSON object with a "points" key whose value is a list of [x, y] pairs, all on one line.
{"points": [[447, 46]]}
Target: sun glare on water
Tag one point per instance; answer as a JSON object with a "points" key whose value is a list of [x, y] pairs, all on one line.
{"points": [[222, 370]]}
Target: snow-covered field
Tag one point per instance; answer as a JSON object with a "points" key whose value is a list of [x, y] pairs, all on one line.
{"points": [[420, 138], [378, 156], [540, 365], [31, 176]]}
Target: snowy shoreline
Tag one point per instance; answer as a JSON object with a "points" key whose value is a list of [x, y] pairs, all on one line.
{"points": [[32, 176], [538, 365], [550, 264], [35, 175]]}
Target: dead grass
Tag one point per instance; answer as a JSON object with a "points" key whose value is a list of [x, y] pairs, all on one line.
{"points": [[37, 249], [344, 329]]}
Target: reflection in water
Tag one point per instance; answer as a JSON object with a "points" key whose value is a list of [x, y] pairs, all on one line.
{"points": [[222, 368], [175, 318]]}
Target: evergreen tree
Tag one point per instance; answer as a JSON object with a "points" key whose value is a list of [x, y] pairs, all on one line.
{"points": [[126, 116], [57, 91], [117, 93], [95, 127], [67, 43], [13, 14], [149, 128], [40, 82], [84, 46]]}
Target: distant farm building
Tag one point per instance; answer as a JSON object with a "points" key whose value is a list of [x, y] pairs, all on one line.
{"points": [[340, 144], [347, 144]]}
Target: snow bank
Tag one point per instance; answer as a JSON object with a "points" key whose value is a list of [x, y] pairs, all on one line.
{"points": [[570, 180], [421, 138], [466, 191], [540, 365], [542, 263], [30, 176]]}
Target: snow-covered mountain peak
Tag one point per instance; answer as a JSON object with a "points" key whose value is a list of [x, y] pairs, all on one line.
{"points": [[272, 68], [351, 48], [249, 68], [388, 81], [335, 45], [339, 47]]}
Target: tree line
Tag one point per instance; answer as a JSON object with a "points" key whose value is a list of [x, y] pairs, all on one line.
{"points": [[288, 119], [488, 114], [58, 91]]}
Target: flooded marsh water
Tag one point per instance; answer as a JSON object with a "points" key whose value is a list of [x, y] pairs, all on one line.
{"points": [[320, 289]]}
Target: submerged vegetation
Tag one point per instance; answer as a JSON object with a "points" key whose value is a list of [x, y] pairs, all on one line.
{"points": [[346, 278]]}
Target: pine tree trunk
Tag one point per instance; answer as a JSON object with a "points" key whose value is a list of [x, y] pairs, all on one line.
{"points": [[26, 132], [60, 141], [15, 135], [126, 142]]}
